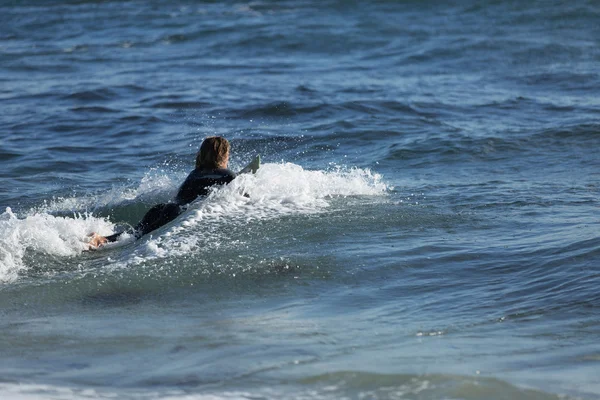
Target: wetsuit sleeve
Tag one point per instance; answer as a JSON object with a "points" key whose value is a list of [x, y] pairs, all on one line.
{"points": [[157, 216], [115, 236], [199, 182]]}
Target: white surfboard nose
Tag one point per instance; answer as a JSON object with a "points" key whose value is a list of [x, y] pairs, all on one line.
{"points": [[252, 166]]}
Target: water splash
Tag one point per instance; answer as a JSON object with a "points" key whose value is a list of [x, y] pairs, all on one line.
{"points": [[43, 233], [276, 190]]}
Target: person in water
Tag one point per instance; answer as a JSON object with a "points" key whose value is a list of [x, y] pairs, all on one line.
{"points": [[211, 169]]}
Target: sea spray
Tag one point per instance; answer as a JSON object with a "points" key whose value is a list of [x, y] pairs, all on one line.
{"points": [[43, 234], [276, 190]]}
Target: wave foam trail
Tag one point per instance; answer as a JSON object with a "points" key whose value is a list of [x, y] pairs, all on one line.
{"points": [[42, 233], [154, 187], [220, 220], [284, 188], [275, 190]]}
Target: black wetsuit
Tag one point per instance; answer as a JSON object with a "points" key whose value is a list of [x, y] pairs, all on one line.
{"points": [[198, 183]]}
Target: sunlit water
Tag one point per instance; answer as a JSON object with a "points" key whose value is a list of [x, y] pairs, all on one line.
{"points": [[424, 224]]}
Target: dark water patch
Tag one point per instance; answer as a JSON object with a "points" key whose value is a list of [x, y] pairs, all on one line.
{"points": [[31, 170], [37, 53], [578, 253], [6, 155], [182, 105], [68, 149], [23, 67], [130, 88], [30, 96], [541, 260], [459, 147], [512, 103], [378, 107], [143, 119], [102, 94], [277, 109], [65, 128], [566, 80], [222, 37], [127, 91], [554, 52], [94, 110], [560, 109], [575, 13], [67, 168], [453, 149], [547, 297], [9, 36], [364, 139], [104, 297], [166, 98], [448, 110], [306, 89], [176, 38], [394, 109], [362, 90], [515, 284], [437, 55], [578, 135], [123, 132], [352, 109]]}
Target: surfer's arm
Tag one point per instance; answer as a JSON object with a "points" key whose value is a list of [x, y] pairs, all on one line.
{"points": [[196, 184], [156, 217], [199, 182], [97, 240]]}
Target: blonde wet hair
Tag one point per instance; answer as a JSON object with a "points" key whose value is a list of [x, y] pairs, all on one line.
{"points": [[213, 153]]}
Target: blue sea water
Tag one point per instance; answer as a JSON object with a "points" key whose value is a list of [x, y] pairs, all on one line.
{"points": [[425, 224]]}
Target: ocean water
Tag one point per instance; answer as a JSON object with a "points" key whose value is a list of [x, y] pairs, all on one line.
{"points": [[425, 224]]}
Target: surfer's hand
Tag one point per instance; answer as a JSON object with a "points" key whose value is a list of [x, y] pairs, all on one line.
{"points": [[96, 240]]}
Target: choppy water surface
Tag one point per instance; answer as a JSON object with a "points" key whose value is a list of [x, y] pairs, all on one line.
{"points": [[424, 226]]}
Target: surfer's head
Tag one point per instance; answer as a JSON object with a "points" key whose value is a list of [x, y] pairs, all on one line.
{"points": [[213, 153]]}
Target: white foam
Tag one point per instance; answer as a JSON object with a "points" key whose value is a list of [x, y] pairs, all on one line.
{"points": [[35, 391], [155, 186], [274, 191], [43, 233], [279, 189]]}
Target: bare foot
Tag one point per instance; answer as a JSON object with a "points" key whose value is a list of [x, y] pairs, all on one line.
{"points": [[96, 240]]}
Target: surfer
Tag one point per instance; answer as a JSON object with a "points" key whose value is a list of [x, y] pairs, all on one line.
{"points": [[211, 169]]}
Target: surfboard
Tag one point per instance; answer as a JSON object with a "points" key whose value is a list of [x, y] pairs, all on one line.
{"points": [[252, 166]]}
